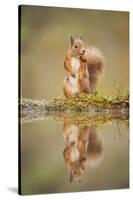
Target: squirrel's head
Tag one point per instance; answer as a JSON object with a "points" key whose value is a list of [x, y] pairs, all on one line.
{"points": [[77, 46]]}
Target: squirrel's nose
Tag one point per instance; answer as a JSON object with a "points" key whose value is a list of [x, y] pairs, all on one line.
{"points": [[82, 52]]}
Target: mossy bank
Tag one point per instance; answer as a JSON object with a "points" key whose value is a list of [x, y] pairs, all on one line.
{"points": [[83, 104]]}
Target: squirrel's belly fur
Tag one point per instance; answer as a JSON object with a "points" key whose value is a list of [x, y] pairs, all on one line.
{"points": [[75, 154], [75, 63], [74, 81], [73, 137], [74, 84]]}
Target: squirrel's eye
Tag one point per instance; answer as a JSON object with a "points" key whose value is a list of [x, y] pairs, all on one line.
{"points": [[76, 46]]}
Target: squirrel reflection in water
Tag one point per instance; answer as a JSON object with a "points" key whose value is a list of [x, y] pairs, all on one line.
{"points": [[83, 149]]}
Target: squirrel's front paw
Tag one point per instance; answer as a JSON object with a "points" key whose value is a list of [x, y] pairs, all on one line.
{"points": [[80, 78], [73, 75], [83, 58]]}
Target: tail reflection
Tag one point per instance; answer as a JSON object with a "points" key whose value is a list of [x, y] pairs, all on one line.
{"points": [[83, 149]]}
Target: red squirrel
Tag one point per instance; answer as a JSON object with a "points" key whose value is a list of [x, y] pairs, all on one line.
{"points": [[84, 149], [76, 140], [77, 79], [84, 68]]}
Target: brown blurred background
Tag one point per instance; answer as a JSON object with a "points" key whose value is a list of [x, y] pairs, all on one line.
{"points": [[45, 39]]}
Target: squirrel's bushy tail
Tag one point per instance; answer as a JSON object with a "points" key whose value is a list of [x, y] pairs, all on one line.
{"points": [[95, 66]]}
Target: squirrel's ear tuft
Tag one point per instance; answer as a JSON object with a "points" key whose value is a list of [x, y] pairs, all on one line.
{"points": [[71, 40]]}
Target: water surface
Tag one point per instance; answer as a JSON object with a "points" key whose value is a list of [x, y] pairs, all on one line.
{"points": [[69, 157]]}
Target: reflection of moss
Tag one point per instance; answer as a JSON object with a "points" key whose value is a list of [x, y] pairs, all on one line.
{"points": [[87, 119]]}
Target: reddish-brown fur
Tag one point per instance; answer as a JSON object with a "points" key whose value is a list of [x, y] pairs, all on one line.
{"points": [[87, 143], [75, 168], [95, 65], [92, 64], [83, 81]]}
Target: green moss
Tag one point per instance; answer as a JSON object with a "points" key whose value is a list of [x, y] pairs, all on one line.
{"points": [[84, 101]]}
